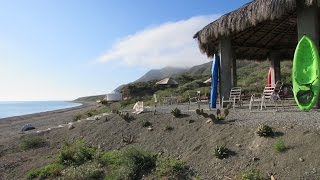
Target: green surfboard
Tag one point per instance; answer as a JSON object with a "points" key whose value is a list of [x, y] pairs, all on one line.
{"points": [[305, 74]]}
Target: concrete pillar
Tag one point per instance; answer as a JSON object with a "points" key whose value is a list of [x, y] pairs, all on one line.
{"points": [[226, 59], [275, 67], [234, 72], [308, 23]]}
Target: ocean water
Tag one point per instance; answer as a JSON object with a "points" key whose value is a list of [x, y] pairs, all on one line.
{"points": [[18, 108]]}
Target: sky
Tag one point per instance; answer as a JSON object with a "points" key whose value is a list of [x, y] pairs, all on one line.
{"points": [[61, 50]]}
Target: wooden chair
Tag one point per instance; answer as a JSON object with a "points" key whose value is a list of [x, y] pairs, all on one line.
{"points": [[270, 94], [234, 98], [138, 107]]}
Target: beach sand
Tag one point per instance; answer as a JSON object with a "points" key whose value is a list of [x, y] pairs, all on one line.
{"points": [[192, 140]]}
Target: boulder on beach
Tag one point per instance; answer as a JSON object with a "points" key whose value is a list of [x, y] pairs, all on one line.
{"points": [[71, 126], [27, 127]]}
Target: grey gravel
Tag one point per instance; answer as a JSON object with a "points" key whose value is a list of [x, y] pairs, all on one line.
{"points": [[287, 117]]}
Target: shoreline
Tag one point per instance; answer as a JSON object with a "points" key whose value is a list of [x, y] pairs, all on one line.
{"points": [[81, 104], [11, 126]]}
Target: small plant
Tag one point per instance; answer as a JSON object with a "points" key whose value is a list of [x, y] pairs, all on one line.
{"points": [[51, 170], [128, 139], [77, 117], [280, 146], [89, 114], [222, 115], [264, 130], [219, 114], [212, 117], [176, 112], [32, 142], [205, 115], [126, 116], [198, 111], [221, 152], [252, 174], [168, 128], [226, 112], [169, 167], [146, 123]]}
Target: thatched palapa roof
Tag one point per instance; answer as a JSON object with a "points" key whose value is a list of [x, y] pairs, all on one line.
{"points": [[255, 29]]}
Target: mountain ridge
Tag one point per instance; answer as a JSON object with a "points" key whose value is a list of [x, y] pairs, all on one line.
{"points": [[153, 74], [158, 74]]}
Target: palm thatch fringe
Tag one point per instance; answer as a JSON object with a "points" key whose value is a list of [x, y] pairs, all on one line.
{"points": [[247, 16]]}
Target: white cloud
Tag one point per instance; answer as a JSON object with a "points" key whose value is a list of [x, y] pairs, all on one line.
{"points": [[169, 44]]}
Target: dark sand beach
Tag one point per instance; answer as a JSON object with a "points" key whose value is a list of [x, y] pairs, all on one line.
{"points": [[11, 126], [192, 140]]}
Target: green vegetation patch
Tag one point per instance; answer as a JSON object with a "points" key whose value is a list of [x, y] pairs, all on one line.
{"points": [[170, 167], [75, 153], [129, 163], [280, 146], [49, 171], [88, 170], [252, 174], [80, 161], [32, 142]]}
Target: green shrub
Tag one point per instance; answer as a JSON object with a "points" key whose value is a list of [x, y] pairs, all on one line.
{"points": [[77, 117], [89, 170], [264, 130], [146, 124], [169, 167], [221, 152], [51, 170], [129, 163], [176, 112], [111, 158], [32, 142], [76, 153], [252, 174], [280, 146]]}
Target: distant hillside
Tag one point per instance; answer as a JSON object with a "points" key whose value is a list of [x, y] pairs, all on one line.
{"points": [[157, 74], [118, 89], [200, 70], [90, 98], [252, 76]]}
